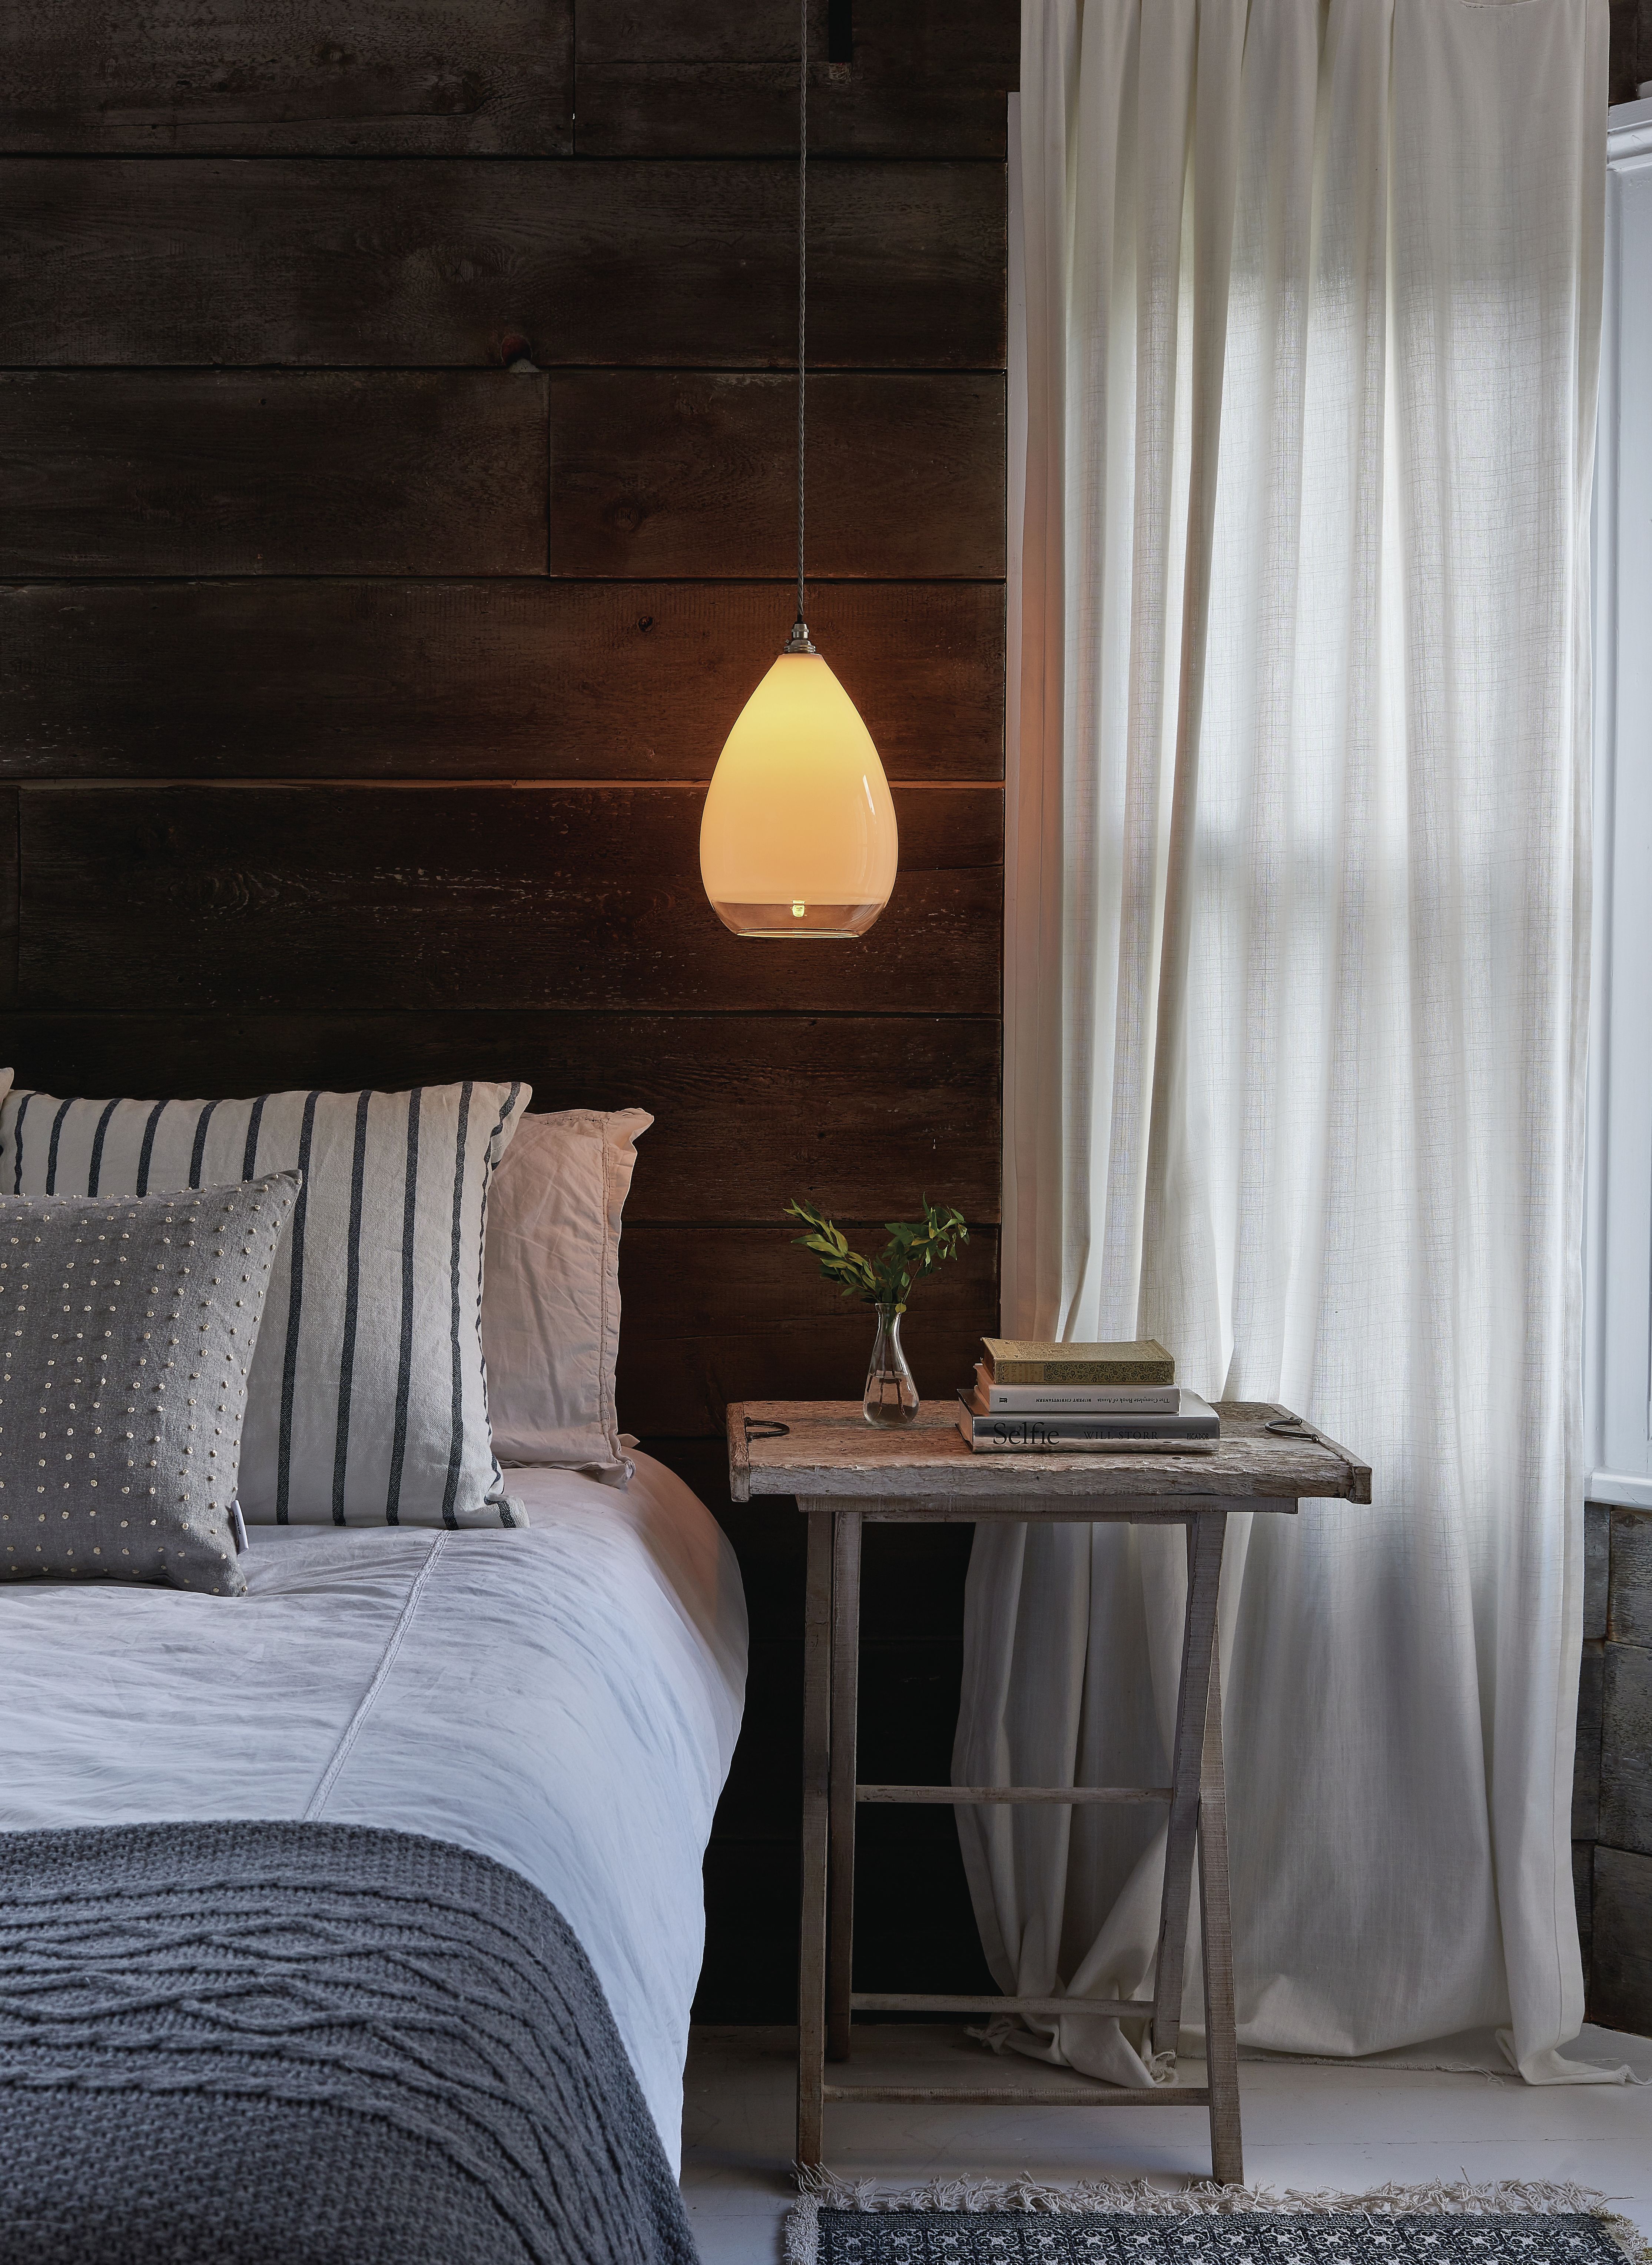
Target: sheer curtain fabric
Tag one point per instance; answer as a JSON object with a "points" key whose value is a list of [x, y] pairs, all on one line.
{"points": [[1297, 981]]}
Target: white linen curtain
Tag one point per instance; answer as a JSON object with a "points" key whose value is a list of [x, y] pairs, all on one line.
{"points": [[1297, 976]]}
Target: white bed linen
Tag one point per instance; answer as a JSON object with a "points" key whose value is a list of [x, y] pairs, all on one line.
{"points": [[564, 1697]]}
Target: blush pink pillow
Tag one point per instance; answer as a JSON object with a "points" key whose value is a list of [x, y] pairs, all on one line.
{"points": [[550, 1302]]}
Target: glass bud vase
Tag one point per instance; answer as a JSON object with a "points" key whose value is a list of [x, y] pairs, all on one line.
{"points": [[892, 1397]]}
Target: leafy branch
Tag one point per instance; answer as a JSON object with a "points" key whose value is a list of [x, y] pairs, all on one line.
{"points": [[915, 1249]]}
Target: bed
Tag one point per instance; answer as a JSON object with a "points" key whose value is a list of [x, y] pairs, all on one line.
{"points": [[563, 1699], [350, 1887]]}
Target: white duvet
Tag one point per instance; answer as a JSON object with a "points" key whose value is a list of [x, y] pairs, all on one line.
{"points": [[564, 1697]]}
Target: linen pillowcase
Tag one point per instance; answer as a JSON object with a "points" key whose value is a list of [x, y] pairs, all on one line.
{"points": [[550, 1320], [128, 1328], [367, 1402]]}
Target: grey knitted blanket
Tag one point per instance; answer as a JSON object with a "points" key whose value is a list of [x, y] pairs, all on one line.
{"points": [[308, 2044]]}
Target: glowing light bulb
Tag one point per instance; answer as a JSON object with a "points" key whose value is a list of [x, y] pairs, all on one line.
{"points": [[798, 835]]}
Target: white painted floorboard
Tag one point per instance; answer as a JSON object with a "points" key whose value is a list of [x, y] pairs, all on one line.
{"points": [[1306, 2124]]}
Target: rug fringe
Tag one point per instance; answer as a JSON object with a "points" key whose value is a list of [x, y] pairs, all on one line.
{"points": [[820, 2189]]}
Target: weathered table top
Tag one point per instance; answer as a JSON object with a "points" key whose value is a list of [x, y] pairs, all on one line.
{"points": [[829, 1448]]}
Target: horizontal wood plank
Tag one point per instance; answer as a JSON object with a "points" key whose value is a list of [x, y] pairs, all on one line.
{"points": [[337, 898], [924, 78], [486, 679], [8, 899], [708, 1308], [861, 1115], [319, 264], [173, 473], [690, 474], [750, 110], [432, 76]]}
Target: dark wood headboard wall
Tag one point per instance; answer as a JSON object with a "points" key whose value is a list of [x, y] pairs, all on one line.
{"points": [[396, 481]]}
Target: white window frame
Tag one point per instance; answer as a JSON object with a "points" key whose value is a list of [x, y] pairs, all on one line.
{"points": [[1618, 1257]]}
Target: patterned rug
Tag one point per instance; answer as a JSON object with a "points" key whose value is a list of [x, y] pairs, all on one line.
{"points": [[839, 2224]]}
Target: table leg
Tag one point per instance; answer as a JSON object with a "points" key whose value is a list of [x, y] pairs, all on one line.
{"points": [[1207, 1530], [1221, 2044], [846, 1650], [817, 1736]]}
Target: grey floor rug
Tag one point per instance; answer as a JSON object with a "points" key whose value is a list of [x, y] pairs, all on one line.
{"points": [[846, 2225]]}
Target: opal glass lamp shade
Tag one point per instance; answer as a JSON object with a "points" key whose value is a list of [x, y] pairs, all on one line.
{"points": [[798, 837]]}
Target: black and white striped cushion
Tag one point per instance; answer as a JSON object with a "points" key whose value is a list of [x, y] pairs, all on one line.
{"points": [[368, 1397]]}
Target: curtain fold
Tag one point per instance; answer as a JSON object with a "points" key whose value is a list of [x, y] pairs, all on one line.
{"points": [[1296, 982]]}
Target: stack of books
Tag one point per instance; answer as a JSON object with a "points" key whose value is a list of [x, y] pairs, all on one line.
{"points": [[1032, 1397]]}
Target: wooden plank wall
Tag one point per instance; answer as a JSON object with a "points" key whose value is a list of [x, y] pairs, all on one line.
{"points": [[396, 483], [1612, 1787], [1631, 47]]}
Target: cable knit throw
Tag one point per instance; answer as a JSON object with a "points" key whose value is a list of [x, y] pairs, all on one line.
{"points": [[308, 2044]]}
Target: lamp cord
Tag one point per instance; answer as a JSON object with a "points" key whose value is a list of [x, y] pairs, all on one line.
{"points": [[803, 265]]}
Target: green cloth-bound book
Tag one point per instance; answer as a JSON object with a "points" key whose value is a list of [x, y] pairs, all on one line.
{"points": [[1034, 1360]]}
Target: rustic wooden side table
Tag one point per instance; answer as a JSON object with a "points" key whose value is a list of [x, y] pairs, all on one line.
{"points": [[842, 1472]]}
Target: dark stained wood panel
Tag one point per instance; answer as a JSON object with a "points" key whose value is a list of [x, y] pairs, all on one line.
{"points": [[672, 474], [414, 263], [430, 76], [863, 1115], [679, 78], [474, 679], [171, 473], [8, 898], [1631, 63], [317, 897], [708, 1309]]}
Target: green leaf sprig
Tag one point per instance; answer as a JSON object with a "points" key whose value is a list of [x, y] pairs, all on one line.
{"points": [[915, 1249]]}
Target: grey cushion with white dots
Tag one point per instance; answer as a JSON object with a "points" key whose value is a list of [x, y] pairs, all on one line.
{"points": [[127, 1331]]}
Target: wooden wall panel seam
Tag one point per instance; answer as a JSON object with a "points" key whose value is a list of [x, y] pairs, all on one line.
{"points": [[120, 473], [89, 77], [512, 677], [691, 472], [856, 1113]]}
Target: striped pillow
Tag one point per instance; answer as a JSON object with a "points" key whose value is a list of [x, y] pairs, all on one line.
{"points": [[368, 1399]]}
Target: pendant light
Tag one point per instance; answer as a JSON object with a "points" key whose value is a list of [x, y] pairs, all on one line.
{"points": [[797, 837]]}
